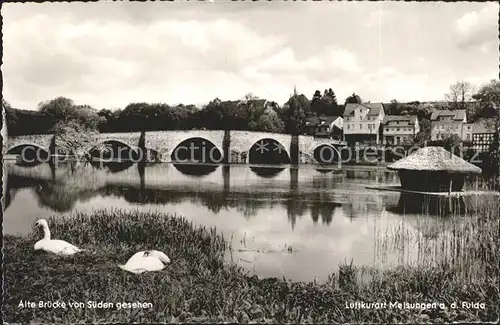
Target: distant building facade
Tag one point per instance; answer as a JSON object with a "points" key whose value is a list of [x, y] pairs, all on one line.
{"points": [[480, 135], [400, 129], [325, 126], [362, 122], [445, 123]]}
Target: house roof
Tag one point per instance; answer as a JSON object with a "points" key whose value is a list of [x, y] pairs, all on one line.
{"points": [[458, 114], [407, 118], [316, 120], [374, 108], [484, 126], [434, 159]]}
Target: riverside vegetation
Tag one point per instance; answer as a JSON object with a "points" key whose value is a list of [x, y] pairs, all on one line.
{"points": [[201, 286]]}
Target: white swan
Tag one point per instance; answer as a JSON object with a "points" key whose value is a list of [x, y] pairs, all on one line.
{"points": [[146, 261], [55, 246]]}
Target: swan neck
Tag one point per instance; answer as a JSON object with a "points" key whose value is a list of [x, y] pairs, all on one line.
{"points": [[46, 232]]}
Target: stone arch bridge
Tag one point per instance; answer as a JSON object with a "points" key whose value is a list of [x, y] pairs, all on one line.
{"points": [[233, 146]]}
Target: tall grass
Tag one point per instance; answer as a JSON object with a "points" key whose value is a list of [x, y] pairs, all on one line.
{"points": [[467, 240], [199, 286]]}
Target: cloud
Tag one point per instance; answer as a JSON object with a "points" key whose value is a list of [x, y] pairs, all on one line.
{"points": [[331, 59], [110, 54], [478, 28], [100, 57]]}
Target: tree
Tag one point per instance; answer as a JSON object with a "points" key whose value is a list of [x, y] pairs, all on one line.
{"points": [[452, 144], [394, 108], [488, 97], [330, 105], [489, 108], [64, 109], [10, 115], [106, 113], [459, 94], [294, 113], [353, 99], [316, 96], [326, 104], [331, 93], [249, 97], [425, 132], [269, 122], [219, 114], [74, 137], [6, 104], [59, 108]]}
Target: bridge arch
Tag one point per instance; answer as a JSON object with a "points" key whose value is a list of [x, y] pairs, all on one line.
{"points": [[30, 152], [326, 154], [113, 149], [268, 151], [11, 150], [267, 172], [195, 170], [196, 149]]}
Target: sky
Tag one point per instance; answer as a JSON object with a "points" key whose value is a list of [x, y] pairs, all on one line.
{"points": [[109, 54]]}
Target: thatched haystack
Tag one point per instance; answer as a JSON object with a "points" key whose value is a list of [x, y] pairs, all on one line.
{"points": [[433, 169], [411, 203]]}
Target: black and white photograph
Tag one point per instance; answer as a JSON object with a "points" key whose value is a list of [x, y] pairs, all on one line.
{"points": [[320, 162]]}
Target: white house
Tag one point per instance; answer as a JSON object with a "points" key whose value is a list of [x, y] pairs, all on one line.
{"points": [[362, 122], [445, 123], [400, 129]]}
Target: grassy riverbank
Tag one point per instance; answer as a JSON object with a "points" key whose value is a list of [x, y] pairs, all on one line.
{"points": [[199, 287]]}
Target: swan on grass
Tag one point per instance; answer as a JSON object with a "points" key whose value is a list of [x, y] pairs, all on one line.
{"points": [[55, 246], [146, 261]]}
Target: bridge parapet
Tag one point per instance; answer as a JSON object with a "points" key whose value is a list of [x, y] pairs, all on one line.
{"points": [[40, 140], [129, 139], [164, 142]]}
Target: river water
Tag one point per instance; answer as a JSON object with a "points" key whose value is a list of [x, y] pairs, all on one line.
{"points": [[298, 222]]}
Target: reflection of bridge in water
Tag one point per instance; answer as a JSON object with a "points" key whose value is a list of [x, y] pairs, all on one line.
{"points": [[60, 188]]}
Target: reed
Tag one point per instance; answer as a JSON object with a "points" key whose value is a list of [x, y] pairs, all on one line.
{"points": [[200, 286]]}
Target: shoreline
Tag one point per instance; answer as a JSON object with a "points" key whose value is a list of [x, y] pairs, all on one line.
{"points": [[200, 286]]}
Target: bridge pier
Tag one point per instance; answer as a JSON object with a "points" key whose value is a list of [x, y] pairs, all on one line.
{"points": [[226, 147], [52, 146], [294, 150], [226, 173], [143, 153]]}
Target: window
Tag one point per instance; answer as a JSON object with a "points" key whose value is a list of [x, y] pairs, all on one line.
{"points": [[386, 129], [397, 129], [468, 136], [361, 126], [348, 127]]}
